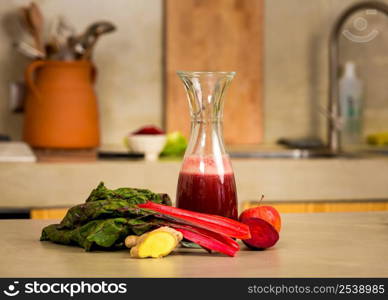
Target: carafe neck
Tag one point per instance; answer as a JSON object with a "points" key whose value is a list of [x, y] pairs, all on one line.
{"points": [[206, 138], [205, 93]]}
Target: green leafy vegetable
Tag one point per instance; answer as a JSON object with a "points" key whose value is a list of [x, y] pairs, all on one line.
{"points": [[105, 219], [132, 195], [109, 233]]}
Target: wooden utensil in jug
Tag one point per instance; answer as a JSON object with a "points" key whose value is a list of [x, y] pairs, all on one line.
{"points": [[33, 21]]}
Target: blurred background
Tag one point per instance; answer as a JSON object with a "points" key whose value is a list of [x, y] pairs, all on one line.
{"points": [[277, 115]]}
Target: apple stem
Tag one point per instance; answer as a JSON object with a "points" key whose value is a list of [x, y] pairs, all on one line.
{"points": [[261, 199]]}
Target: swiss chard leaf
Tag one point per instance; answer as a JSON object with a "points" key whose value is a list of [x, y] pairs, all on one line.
{"points": [[105, 219], [100, 209], [132, 195], [108, 233], [104, 203]]}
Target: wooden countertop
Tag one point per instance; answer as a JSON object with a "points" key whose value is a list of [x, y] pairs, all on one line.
{"points": [[311, 245]]}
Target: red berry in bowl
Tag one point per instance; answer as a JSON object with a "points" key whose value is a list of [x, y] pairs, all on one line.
{"points": [[149, 130]]}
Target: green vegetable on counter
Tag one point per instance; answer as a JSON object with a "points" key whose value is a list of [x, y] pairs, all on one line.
{"points": [[105, 219], [175, 145]]}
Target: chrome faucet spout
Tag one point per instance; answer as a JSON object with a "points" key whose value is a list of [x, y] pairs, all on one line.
{"points": [[334, 133]]}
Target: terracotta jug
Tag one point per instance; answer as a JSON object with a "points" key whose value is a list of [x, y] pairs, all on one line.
{"points": [[61, 106]]}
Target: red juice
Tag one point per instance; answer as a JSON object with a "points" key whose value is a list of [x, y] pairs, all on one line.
{"points": [[210, 193]]}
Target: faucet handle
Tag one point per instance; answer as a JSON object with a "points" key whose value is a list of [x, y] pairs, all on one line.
{"points": [[337, 121]]}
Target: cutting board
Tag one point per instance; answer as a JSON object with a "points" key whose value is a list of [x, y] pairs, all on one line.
{"points": [[217, 35]]}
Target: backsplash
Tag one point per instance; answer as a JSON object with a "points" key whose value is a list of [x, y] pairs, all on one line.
{"points": [[129, 62]]}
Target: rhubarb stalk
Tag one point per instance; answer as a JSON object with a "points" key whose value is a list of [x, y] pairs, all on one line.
{"points": [[209, 222], [220, 237], [207, 242]]}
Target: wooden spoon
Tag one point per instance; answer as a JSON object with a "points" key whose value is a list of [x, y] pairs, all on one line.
{"points": [[35, 21]]}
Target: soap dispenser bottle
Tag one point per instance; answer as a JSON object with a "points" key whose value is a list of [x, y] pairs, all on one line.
{"points": [[350, 94]]}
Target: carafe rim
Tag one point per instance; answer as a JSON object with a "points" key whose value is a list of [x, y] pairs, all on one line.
{"points": [[182, 73]]}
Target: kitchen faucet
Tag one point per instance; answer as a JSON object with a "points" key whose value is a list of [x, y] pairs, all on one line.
{"points": [[334, 114]]}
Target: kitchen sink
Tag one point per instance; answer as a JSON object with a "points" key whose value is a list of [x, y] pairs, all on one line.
{"points": [[279, 152], [287, 153]]}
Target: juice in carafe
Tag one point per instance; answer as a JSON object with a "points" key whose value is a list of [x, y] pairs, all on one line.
{"points": [[209, 191]]}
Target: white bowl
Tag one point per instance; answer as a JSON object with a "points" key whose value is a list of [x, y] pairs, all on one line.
{"points": [[149, 144]]}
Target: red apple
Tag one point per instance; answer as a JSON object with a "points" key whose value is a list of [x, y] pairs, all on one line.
{"points": [[264, 212]]}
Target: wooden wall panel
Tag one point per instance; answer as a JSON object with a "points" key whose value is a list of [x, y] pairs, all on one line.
{"points": [[217, 35]]}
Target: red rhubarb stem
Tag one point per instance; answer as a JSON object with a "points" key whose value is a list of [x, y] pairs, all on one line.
{"points": [[207, 242], [214, 223], [220, 237]]}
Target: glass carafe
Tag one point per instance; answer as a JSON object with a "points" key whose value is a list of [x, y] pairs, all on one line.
{"points": [[206, 180]]}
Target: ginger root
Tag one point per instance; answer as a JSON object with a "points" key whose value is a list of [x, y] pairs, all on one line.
{"points": [[157, 243], [131, 241]]}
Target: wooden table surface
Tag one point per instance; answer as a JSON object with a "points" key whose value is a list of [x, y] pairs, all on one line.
{"points": [[311, 245]]}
